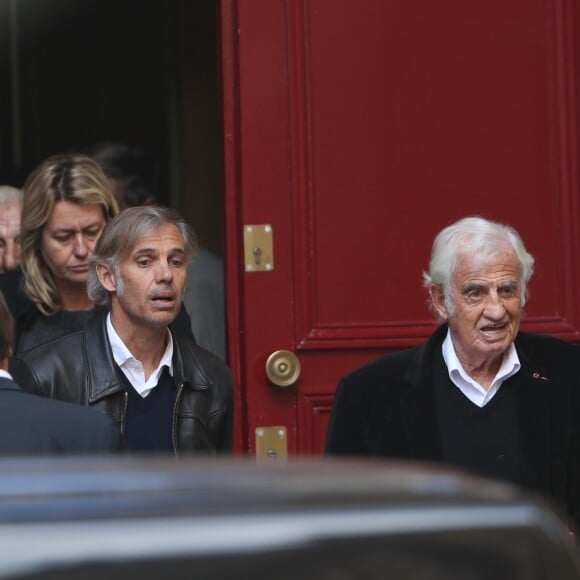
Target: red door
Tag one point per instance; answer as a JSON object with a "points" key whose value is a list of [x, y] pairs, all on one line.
{"points": [[357, 129]]}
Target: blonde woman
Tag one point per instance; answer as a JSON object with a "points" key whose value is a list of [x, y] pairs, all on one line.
{"points": [[66, 204], [67, 201]]}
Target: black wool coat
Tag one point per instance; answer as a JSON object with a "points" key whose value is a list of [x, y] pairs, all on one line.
{"points": [[387, 409]]}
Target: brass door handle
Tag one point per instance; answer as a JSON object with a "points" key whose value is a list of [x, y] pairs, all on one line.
{"points": [[283, 368]]}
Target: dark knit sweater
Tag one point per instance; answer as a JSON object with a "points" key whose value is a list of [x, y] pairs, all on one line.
{"points": [[484, 440], [148, 420]]}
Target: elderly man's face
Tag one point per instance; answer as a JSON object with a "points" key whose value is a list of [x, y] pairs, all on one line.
{"points": [[487, 305], [9, 236], [152, 281]]}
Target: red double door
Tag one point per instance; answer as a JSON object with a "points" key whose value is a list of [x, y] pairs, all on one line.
{"points": [[353, 132]]}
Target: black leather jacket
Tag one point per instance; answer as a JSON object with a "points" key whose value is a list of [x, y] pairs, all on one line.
{"points": [[80, 368]]}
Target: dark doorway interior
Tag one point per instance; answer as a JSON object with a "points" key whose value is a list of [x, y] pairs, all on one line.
{"points": [[145, 72]]}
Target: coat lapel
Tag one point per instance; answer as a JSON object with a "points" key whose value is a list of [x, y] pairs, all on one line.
{"points": [[101, 375], [418, 402], [531, 382]]}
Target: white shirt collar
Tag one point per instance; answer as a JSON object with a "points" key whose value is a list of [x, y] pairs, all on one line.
{"points": [[510, 365], [132, 368], [5, 374]]}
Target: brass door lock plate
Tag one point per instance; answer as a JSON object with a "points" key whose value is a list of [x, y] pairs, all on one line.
{"points": [[271, 444], [258, 248]]}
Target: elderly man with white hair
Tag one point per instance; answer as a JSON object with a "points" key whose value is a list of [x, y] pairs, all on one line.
{"points": [[478, 394], [10, 204]]}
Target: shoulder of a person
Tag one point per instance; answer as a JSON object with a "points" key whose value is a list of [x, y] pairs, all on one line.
{"points": [[77, 412], [206, 257], [60, 346], [542, 343], [386, 368], [206, 269], [192, 353], [86, 424]]}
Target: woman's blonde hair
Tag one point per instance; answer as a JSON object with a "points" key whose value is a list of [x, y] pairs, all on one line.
{"points": [[70, 177]]}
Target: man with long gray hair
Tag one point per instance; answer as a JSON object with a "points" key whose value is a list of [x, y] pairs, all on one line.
{"points": [[165, 393], [478, 394]]}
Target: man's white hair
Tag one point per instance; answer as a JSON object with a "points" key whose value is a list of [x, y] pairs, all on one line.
{"points": [[474, 236], [9, 195]]}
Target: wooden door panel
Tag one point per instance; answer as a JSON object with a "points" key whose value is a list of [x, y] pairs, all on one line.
{"points": [[456, 127], [313, 415], [360, 129]]}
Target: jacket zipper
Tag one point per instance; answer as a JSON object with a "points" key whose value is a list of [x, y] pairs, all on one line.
{"points": [[174, 420], [124, 414]]}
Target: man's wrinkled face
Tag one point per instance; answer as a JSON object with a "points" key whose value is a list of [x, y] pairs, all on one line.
{"points": [[9, 236], [148, 290], [487, 306]]}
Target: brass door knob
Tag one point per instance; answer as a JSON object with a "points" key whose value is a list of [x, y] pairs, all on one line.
{"points": [[283, 368]]}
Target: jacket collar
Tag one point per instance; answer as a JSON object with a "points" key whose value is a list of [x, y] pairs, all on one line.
{"points": [[102, 371], [186, 366], [533, 379], [8, 385], [418, 401], [102, 379]]}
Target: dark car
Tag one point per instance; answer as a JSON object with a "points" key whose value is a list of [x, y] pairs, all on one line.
{"points": [[136, 518]]}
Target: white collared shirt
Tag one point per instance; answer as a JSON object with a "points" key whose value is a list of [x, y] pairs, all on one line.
{"points": [[132, 368], [5, 374], [510, 365]]}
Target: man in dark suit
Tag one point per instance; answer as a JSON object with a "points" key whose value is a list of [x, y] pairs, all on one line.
{"points": [[34, 425], [478, 394]]}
